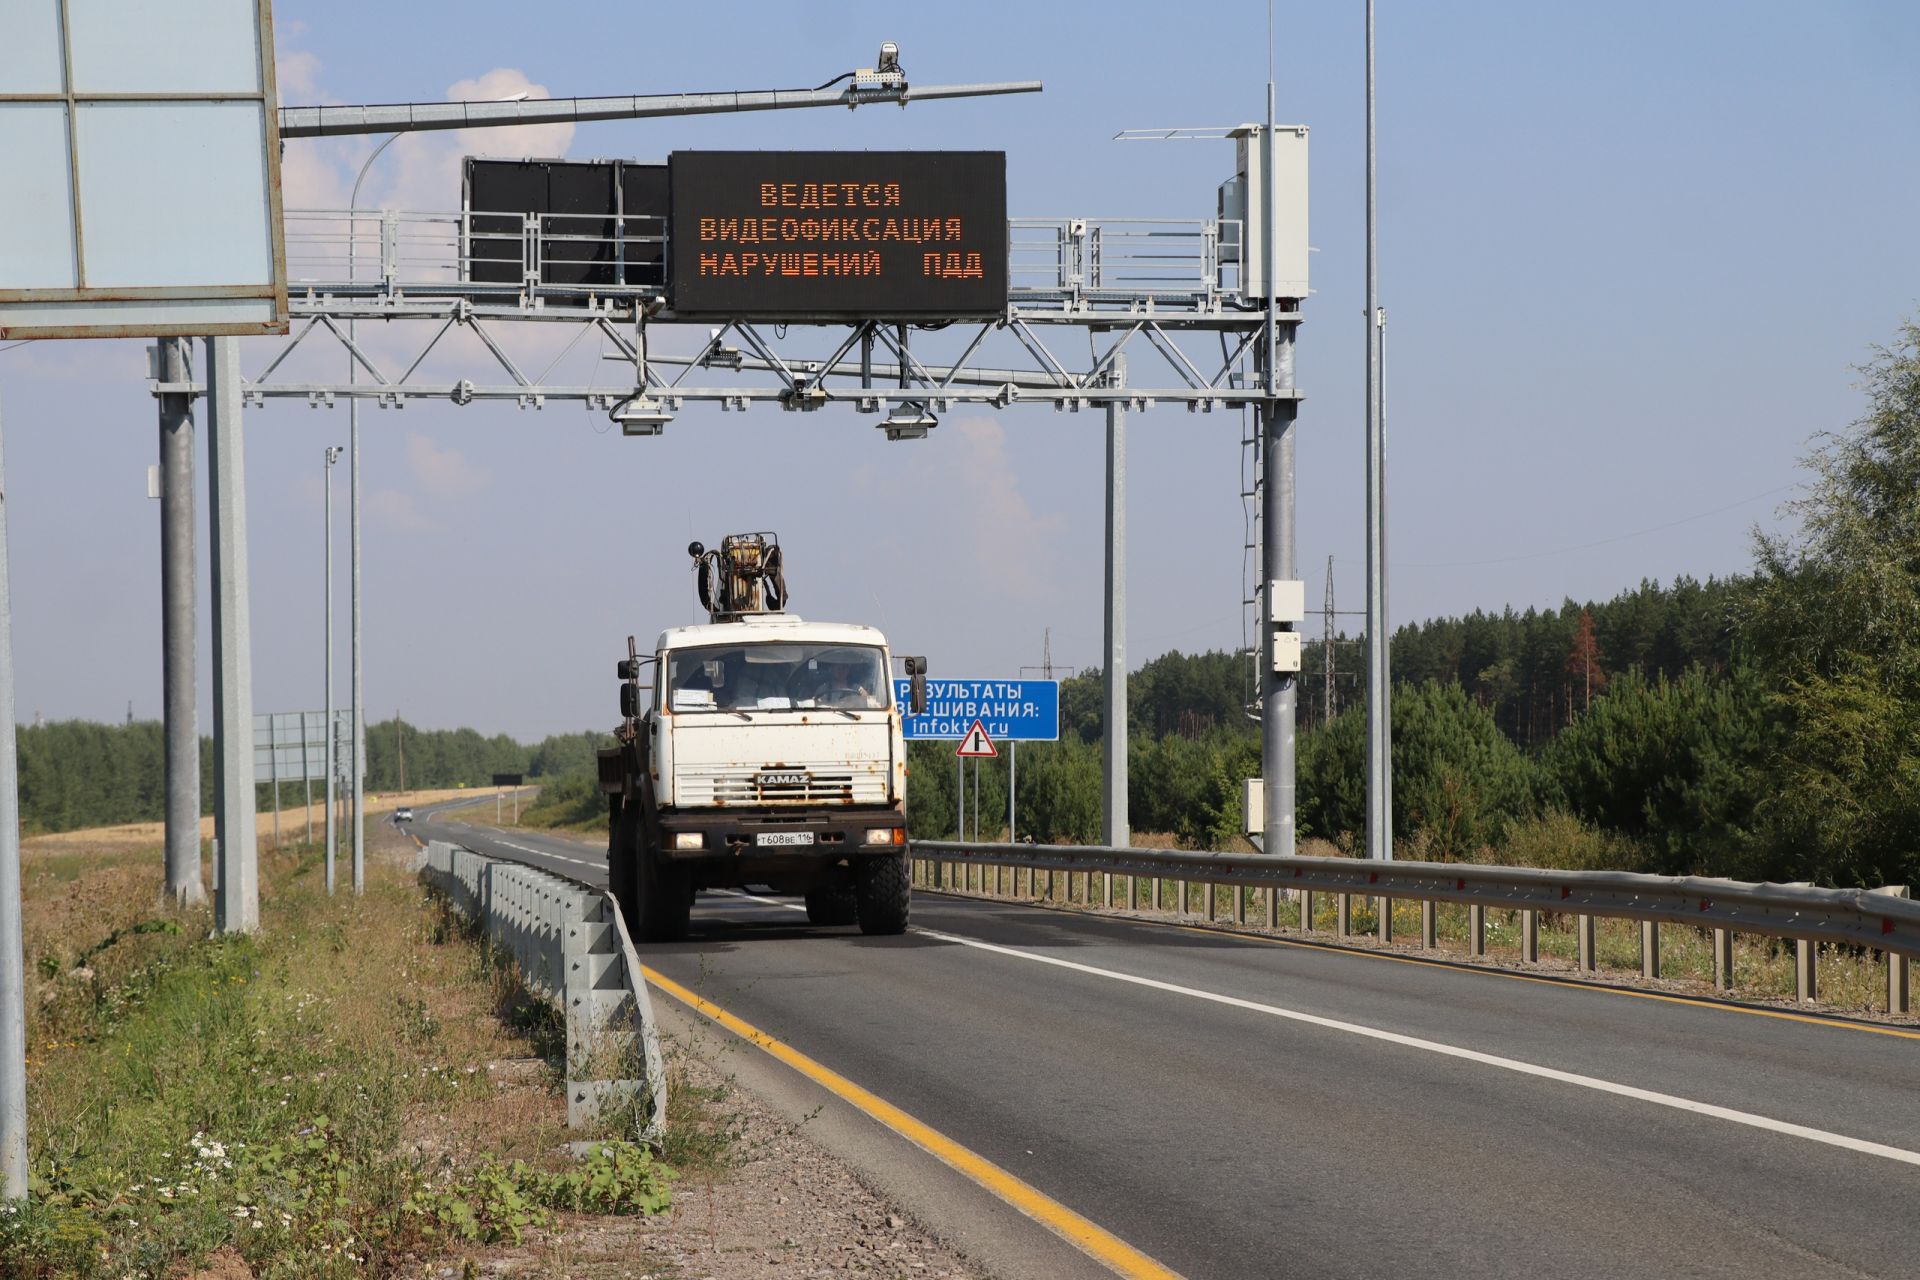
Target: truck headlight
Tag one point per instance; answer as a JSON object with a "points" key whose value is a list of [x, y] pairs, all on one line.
{"points": [[689, 840], [886, 835]]}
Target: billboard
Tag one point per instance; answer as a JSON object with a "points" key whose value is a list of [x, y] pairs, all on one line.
{"points": [[142, 189], [837, 235], [601, 222]]}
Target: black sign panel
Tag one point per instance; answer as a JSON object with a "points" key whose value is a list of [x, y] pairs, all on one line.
{"points": [[509, 779], [602, 222], [838, 234]]}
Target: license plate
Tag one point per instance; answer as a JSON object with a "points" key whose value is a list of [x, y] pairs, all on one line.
{"points": [[766, 838]]}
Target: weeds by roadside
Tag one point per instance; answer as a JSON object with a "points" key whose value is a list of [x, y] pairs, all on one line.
{"points": [[352, 1088]]}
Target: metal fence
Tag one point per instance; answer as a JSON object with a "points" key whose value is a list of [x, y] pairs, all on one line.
{"points": [[572, 948], [1183, 263], [1884, 920]]}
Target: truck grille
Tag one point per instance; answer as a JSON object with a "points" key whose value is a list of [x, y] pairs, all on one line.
{"points": [[695, 785]]}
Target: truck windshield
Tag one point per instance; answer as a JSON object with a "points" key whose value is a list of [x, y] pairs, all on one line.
{"points": [[778, 677]]}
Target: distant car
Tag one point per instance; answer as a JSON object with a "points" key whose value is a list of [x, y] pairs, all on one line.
{"points": [[403, 814]]}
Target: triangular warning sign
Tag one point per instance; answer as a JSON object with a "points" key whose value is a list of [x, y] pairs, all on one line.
{"points": [[977, 743]]}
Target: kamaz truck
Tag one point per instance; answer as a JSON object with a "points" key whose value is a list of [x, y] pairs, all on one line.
{"points": [[764, 750]]}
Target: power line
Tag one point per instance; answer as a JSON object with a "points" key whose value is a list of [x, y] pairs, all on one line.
{"points": [[23, 342]]}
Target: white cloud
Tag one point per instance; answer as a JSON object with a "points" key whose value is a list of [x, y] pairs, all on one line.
{"points": [[396, 511], [991, 539], [443, 473], [423, 170]]}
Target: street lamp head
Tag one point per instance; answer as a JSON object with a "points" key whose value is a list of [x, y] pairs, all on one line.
{"points": [[333, 454]]}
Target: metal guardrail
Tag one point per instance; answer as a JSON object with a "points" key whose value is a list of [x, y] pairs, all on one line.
{"points": [[572, 948], [1885, 919], [1178, 265]]}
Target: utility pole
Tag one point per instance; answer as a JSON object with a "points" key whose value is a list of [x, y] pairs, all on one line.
{"points": [[13, 958], [1379, 679], [333, 842], [400, 750], [179, 698], [236, 870], [1326, 652], [1115, 830]]}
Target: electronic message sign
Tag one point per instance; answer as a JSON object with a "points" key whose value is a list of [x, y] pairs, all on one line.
{"points": [[601, 222], [838, 234]]}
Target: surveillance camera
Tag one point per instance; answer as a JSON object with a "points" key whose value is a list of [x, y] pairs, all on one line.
{"points": [[641, 416], [889, 58]]}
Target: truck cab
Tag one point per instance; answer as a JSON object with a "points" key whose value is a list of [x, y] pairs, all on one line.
{"points": [[768, 753]]}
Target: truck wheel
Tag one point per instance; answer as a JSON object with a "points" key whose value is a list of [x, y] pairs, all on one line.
{"points": [[666, 899], [623, 859], [831, 904], [881, 888]]}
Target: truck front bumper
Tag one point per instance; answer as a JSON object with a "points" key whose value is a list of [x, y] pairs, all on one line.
{"points": [[808, 834]]}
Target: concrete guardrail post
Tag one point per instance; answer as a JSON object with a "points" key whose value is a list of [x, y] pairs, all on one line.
{"points": [[1806, 959], [1384, 920], [1723, 959], [1476, 929], [1306, 911], [1343, 916], [1530, 936], [1589, 943], [1429, 925], [1269, 907], [1649, 948], [1899, 967]]}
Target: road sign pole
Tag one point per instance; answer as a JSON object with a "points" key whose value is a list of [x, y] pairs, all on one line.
{"points": [[179, 696], [237, 898], [1013, 789], [960, 790], [273, 772], [13, 961], [1115, 832]]}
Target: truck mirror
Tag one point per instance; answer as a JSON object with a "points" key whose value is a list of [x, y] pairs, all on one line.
{"points": [[627, 668], [917, 693], [629, 701]]}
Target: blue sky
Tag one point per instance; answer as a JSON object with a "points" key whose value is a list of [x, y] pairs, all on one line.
{"points": [[1630, 254]]}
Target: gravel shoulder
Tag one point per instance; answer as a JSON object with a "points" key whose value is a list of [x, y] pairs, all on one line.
{"points": [[778, 1205]]}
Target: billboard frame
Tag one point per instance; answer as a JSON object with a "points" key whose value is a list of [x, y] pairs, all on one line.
{"points": [[165, 321]]}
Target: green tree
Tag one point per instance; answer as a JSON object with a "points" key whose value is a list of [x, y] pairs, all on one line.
{"points": [[1834, 624], [1457, 778], [1675, 764]]}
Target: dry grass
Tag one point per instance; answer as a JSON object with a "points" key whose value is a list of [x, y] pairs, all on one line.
{"points": [[147, 837]]}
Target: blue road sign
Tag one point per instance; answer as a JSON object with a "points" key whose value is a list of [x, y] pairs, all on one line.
{"points": [[1011, 710]]}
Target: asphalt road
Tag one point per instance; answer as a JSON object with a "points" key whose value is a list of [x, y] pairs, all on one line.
{"points": [[1237, 1108]]}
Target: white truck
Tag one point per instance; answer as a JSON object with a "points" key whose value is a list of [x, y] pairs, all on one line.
{"points": [[770, 754]]}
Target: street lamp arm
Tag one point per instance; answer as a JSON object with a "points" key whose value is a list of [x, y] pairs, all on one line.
{"points": [[408, 117]]}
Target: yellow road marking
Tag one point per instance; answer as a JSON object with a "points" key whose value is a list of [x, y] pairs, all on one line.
{"points": [[1485, 971], [1098, 1243]]}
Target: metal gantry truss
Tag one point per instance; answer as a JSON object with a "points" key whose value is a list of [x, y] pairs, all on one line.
{"points": [[1165, 292]]}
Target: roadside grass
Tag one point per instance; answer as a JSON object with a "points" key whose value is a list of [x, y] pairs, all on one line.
{"points": [[358, 1086], [571, 803]]}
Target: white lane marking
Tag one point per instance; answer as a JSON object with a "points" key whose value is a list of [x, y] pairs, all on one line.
{"points": [[1748, 1118], [1729, 1114], [557, 857]]}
